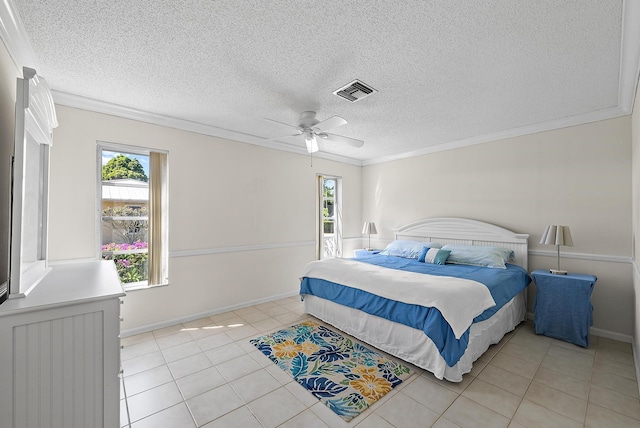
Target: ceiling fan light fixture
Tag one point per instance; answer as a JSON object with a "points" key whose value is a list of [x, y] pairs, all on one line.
{"points": [[312, 143], [312, 129]]}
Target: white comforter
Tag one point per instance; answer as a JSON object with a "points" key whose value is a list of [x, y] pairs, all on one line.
{"points": [[458, 300]]}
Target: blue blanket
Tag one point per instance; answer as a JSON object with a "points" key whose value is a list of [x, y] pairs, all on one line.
{"points": [[503, 284]]}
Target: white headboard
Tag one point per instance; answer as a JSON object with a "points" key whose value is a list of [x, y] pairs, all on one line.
{"points": [[451, 230]]}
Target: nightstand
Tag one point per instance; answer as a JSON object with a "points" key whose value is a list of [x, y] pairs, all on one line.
{"points": [[563, 307], [363, 252]]}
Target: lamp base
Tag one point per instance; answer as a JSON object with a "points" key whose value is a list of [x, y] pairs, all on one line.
{"points": [[558, 272]]}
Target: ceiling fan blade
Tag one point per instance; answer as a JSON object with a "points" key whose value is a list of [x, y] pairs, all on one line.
{"points": [[342, 139], [332, 122], [297, 128], [283, 136]]}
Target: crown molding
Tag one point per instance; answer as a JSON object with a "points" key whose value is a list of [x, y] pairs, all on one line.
{"points": [[18, 44], [76, 101], [629, 55], [15, 37], [535, 128], [628, 81]]}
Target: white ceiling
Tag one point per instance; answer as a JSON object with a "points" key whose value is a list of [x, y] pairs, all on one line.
{"points": [[449, 73]]}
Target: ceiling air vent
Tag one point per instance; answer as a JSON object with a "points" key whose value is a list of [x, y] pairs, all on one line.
{"points": [[355, 91]]}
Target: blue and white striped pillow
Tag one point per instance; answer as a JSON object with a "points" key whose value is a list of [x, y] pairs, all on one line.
{"points": [[434, 256]]}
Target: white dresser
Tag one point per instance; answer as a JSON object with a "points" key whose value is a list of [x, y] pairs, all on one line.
{"points": [[60, 350]]}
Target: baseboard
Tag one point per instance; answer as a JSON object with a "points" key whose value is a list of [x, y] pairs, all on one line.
{"points": [[611, 335], [193, 317], [600, 332], [636, 360]]}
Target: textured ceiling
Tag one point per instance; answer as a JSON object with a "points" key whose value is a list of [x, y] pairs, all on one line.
{"points": [[445, 70]]}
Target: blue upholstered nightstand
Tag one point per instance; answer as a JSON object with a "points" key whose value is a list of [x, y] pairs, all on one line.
{"points": [[364, 252], [563, 307]]}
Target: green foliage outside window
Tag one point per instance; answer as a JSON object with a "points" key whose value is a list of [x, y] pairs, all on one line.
{"points": [[129, 225], [121, 167], [328, 193], [132, 267], [328, 190]]}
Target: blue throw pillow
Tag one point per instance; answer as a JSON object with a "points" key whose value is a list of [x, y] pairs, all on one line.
{"points": [[434, 256]]}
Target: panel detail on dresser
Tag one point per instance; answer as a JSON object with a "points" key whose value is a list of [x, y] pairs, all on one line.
{"points": [[61, 348]]}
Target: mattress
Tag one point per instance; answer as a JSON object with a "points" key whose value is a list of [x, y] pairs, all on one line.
{"points": [[417, 295], [411, 344]]}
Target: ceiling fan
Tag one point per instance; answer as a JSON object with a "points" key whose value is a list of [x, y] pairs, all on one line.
{"points": [[311, 129]]}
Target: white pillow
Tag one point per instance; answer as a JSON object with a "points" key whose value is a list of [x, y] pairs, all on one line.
{"points": [[477, 255], [407, 249]]}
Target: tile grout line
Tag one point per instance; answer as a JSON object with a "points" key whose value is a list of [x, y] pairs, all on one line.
{"points": [[174, 380], [511, 420], [514, 331], [586, 412], [126, 399]]}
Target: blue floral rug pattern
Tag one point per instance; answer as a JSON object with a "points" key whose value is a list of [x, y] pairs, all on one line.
{"points": [[345, 375]]}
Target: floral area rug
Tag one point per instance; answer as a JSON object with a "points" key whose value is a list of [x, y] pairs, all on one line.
{"points": [[345, 375]]}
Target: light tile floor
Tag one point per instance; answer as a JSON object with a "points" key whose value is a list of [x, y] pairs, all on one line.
{"points": [[205, 373]]}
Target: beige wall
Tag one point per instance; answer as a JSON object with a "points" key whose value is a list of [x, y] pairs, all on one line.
{"points": [[578, 176], [8, 75], [221, 194]]}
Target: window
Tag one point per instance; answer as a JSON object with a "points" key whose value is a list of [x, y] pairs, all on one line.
{"points": [[133, 214], [330, 218]]}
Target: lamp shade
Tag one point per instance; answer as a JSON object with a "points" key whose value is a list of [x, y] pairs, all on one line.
{"points": [[369, 228], [557, 235]]}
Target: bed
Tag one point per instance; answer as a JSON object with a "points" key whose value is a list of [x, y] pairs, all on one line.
{"points": [[380, 298]]}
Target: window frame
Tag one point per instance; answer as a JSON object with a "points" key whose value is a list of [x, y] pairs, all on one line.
{"points": [[143, 151], [333, 216]]}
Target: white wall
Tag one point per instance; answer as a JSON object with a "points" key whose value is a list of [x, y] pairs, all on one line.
{"points": [[578, 176], [222, 194]]}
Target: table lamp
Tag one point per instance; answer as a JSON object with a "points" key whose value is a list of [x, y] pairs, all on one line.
{"points": [[557, 235], [369, 228]]}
